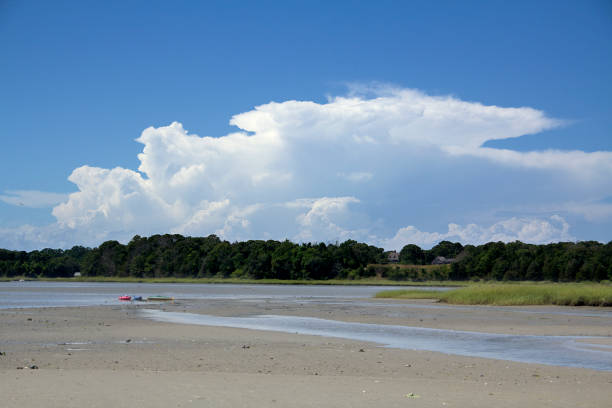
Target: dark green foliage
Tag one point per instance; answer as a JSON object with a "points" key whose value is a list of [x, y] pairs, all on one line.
{"points": [[446, 249], [161, 256], [168, 255], [412, 255], [563, 262], [412, 272], [52, 263]]}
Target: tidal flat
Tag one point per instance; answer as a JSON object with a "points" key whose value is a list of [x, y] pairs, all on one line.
{"points": [[117, 355]]}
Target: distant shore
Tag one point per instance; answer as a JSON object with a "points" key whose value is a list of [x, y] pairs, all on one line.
{"points": [[240, 281]]}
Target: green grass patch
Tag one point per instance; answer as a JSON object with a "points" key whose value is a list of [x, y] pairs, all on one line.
{"points": [[564, 294]]}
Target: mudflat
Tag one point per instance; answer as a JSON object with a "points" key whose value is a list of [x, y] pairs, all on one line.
{"points": [[114, 356]]}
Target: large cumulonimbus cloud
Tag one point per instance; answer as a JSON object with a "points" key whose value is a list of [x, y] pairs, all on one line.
{"points": [[354, 167]]}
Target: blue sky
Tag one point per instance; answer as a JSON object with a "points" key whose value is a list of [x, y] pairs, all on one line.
{"points": [[82, 80]]}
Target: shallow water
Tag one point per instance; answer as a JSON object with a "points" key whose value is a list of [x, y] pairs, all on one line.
{"points": [[66, 294], [72, 294], [570, 351]]}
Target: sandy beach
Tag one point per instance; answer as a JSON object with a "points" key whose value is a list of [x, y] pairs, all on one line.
{"points": [[113, 356]]}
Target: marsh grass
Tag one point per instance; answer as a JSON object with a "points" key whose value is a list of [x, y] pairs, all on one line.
{"points": [[565, 294]]}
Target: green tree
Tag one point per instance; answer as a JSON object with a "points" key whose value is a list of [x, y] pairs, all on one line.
{"points": [[412, 255]]}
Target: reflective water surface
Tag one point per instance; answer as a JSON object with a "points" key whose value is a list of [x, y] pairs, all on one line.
{"points": [[571, 351]]}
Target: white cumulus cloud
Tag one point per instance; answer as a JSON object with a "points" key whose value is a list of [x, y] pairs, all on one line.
{"points": [[353, 167], [528, 230], [322, 218]]}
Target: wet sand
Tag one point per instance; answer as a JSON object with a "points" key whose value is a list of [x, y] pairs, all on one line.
{"points": [[112, 356]]}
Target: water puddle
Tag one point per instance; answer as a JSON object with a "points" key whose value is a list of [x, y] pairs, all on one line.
{"points": [[570, 351]]}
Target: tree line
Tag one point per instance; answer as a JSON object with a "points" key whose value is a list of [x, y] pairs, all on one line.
{"points": [[161, 256], [558, 262]]}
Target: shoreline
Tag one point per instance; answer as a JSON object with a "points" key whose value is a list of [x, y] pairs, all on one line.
{"points": [[523, 293], [232, 281]]}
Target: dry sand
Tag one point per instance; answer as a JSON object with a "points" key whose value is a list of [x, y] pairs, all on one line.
{"points": [[111, 356]]}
